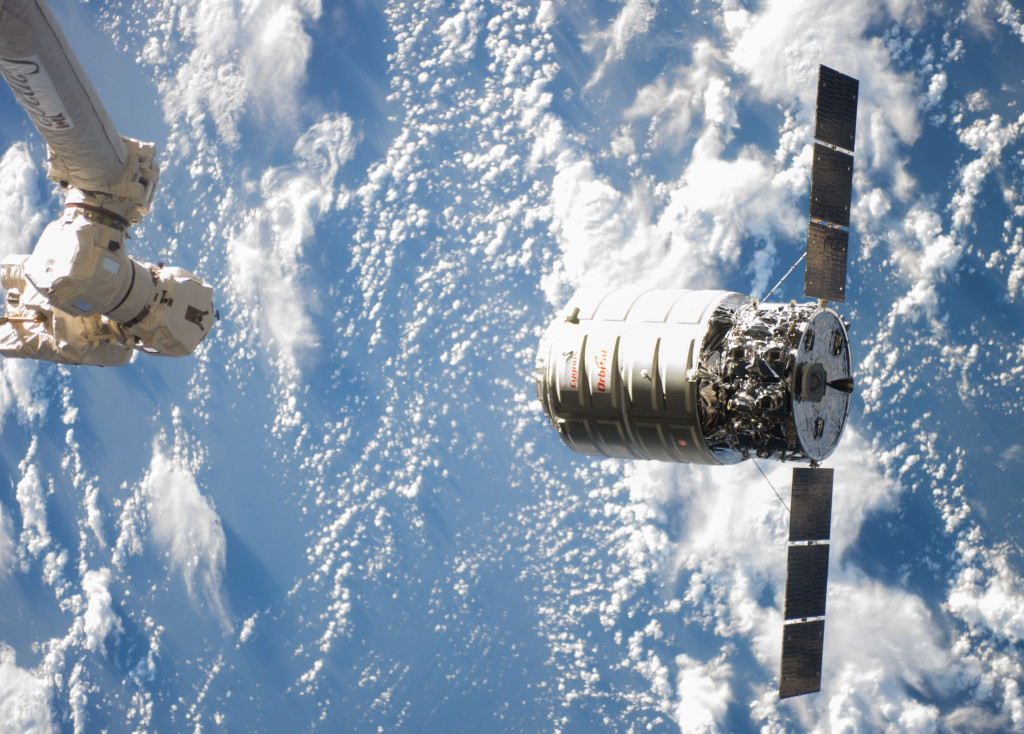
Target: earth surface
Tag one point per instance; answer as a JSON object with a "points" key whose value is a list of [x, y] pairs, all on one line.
{"points": [[346, 512]]}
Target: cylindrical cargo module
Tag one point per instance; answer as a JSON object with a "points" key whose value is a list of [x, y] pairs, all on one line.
{"points": [[703, 377]]}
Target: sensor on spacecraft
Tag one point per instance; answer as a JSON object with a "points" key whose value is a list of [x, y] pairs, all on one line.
{"points": [[713, 377], [79, 298]]}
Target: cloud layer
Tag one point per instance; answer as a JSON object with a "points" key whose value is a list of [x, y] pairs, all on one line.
{"points": [[24, 698], [185, 526]]}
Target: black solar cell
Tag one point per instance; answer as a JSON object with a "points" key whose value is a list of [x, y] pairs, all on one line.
{"points": [[810, 515], [806, 579], [825, 272], [831, 186], [835, 121], [802, 645]]}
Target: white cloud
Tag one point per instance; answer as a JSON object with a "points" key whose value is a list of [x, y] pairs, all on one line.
{"points": [[936, 88], [1010, 17], [594, 225], [22, 216], [242, 55], [185, 525], [1014, 243], [22, 389], [324, 148], [31, 495], [676, 101], [976, 720], [988, 138], [978, 101], [632, 21], [24, 698], [1011, 457], [734, 542], [99, 619], [703, 692], [8, 553], [21, 211], [878, 642], [686, 232], [277, 51], [927, 256], [265, 252], [93, 514], [608, 236], [131, 525], [546, 14], [986, 593], [458, 34], [779, 49], [247, 629], [78, 698], [669, 105]]}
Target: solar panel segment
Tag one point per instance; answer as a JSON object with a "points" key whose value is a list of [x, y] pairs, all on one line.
{"points": [[825, 273], [806, 578], [802, 645], [831, 186], [810, 515], [835, 121]]}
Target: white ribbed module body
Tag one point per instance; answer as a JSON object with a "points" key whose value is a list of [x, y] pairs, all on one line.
{"points": [[704, 377]]}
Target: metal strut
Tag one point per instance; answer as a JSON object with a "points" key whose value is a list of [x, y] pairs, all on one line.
{"points": [[799, 260], [770, 484]]}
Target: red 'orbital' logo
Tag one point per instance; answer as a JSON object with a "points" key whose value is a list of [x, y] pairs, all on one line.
{"points": [[602, 371]]}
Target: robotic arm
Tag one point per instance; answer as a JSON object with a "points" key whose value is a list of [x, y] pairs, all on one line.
{"points": [[79, 298]]}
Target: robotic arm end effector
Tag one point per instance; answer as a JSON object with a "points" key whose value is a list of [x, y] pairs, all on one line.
{"points": [[178, 316]]}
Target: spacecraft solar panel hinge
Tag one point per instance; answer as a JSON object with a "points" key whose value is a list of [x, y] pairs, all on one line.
{"points": [[835, 127], [803, 630]]}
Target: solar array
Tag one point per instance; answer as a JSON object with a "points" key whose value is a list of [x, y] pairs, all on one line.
{"points": [[831, 186], [803, 634]]}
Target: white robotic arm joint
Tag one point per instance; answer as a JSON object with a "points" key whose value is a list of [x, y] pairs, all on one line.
{"points": [[129, 198]]}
